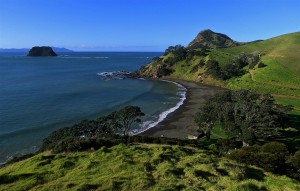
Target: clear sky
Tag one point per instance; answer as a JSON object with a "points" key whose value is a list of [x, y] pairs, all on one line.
{"points": [[140, 25]]}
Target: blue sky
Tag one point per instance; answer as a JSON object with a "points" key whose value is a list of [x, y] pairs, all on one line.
{"points": [[140, 25]]}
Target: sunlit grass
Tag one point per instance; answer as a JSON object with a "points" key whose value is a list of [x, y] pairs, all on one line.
{"points": [[140, 167]]}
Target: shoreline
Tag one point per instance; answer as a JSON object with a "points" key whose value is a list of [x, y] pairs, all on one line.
{"points": [[180, 123]]}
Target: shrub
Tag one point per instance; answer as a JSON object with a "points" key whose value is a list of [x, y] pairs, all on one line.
{"points": [[271, 156]]}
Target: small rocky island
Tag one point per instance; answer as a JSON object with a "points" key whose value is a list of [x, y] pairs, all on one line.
{"points": [[41, 51]]}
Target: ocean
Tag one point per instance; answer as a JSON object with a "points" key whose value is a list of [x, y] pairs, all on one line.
{"points": [[41, 94]]}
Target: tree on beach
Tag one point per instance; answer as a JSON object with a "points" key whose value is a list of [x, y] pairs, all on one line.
{"points": [[243, 115], [205, 119], [126, 117]]}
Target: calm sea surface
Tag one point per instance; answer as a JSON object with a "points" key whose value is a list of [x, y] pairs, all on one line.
{"points": [[40, 95]]}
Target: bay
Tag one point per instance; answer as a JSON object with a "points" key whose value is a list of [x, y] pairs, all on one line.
{"points": [[41, 94]]}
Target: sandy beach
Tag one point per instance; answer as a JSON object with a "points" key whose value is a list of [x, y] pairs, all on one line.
{"points": [[180, 124]]}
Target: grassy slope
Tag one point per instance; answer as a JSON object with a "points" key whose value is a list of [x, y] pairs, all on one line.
{"points": [[280, 76], [143, 167], [282, 73]]}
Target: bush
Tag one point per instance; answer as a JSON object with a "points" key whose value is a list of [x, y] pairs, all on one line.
{"points": [[213, 69], [271, 156], [294, 161], [164, 71]]}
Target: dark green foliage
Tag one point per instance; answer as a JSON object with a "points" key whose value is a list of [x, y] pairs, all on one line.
{"points": [[244, 115], [213, 69], [260, 65], [224, 145], [191, 53], [96, 142], [178, 51], [201, 63], [250, 60], [232, 70], [126, 117], [85, 129], [271, 156], [294, 161], [164, 71], [91, 134]]}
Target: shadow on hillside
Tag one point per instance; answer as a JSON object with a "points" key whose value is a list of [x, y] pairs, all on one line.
{"points": [[291, 135], [7, 179]]}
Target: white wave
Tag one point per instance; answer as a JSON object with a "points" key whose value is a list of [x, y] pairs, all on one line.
{"points": [[101, 57], [149, 124]]}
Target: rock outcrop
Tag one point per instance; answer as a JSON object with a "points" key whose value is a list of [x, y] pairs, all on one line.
{"points": [[41, 51]]}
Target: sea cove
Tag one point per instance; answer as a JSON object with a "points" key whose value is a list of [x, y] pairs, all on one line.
{"points": [[40, 95]]}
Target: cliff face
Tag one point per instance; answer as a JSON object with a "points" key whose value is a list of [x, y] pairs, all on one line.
{"points": [[210, 40], [41, 51]]}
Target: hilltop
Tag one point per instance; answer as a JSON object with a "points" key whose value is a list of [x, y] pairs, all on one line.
{"points": [[211, 40]]}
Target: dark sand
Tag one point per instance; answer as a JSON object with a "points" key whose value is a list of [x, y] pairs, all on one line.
{"points": [[180, 124]]}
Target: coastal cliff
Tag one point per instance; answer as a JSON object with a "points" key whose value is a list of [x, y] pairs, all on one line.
{"points": [[41, 51]]}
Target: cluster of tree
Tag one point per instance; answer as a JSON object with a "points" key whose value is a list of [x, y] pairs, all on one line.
{"points": [[179, 52], [164, 70], [106, 131], [236, 68], [72, 144], [195, 52], [115, 123], [232, 70], [249, 60], [273, 156], [244, 115]]}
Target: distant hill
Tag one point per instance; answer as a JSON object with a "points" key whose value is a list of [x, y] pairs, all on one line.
{"points": [[25, 50]]}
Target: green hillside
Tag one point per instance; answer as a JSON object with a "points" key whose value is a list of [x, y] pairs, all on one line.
{"points": [[279, 75], [282, 72], [139, 167]]}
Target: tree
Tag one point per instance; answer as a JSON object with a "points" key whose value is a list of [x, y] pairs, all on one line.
{"points": [[205, 119], [294, 161], [178, 51], [126, 117], [213, 69], [243, 115]]}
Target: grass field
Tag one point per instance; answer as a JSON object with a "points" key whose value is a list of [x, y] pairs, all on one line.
{"points": [[140, 167]]}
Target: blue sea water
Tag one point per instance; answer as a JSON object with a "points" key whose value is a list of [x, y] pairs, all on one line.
{"points": [[41, 94]]}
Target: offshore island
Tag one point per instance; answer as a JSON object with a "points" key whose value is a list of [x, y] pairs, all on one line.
{"points": [[238, 128]]}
